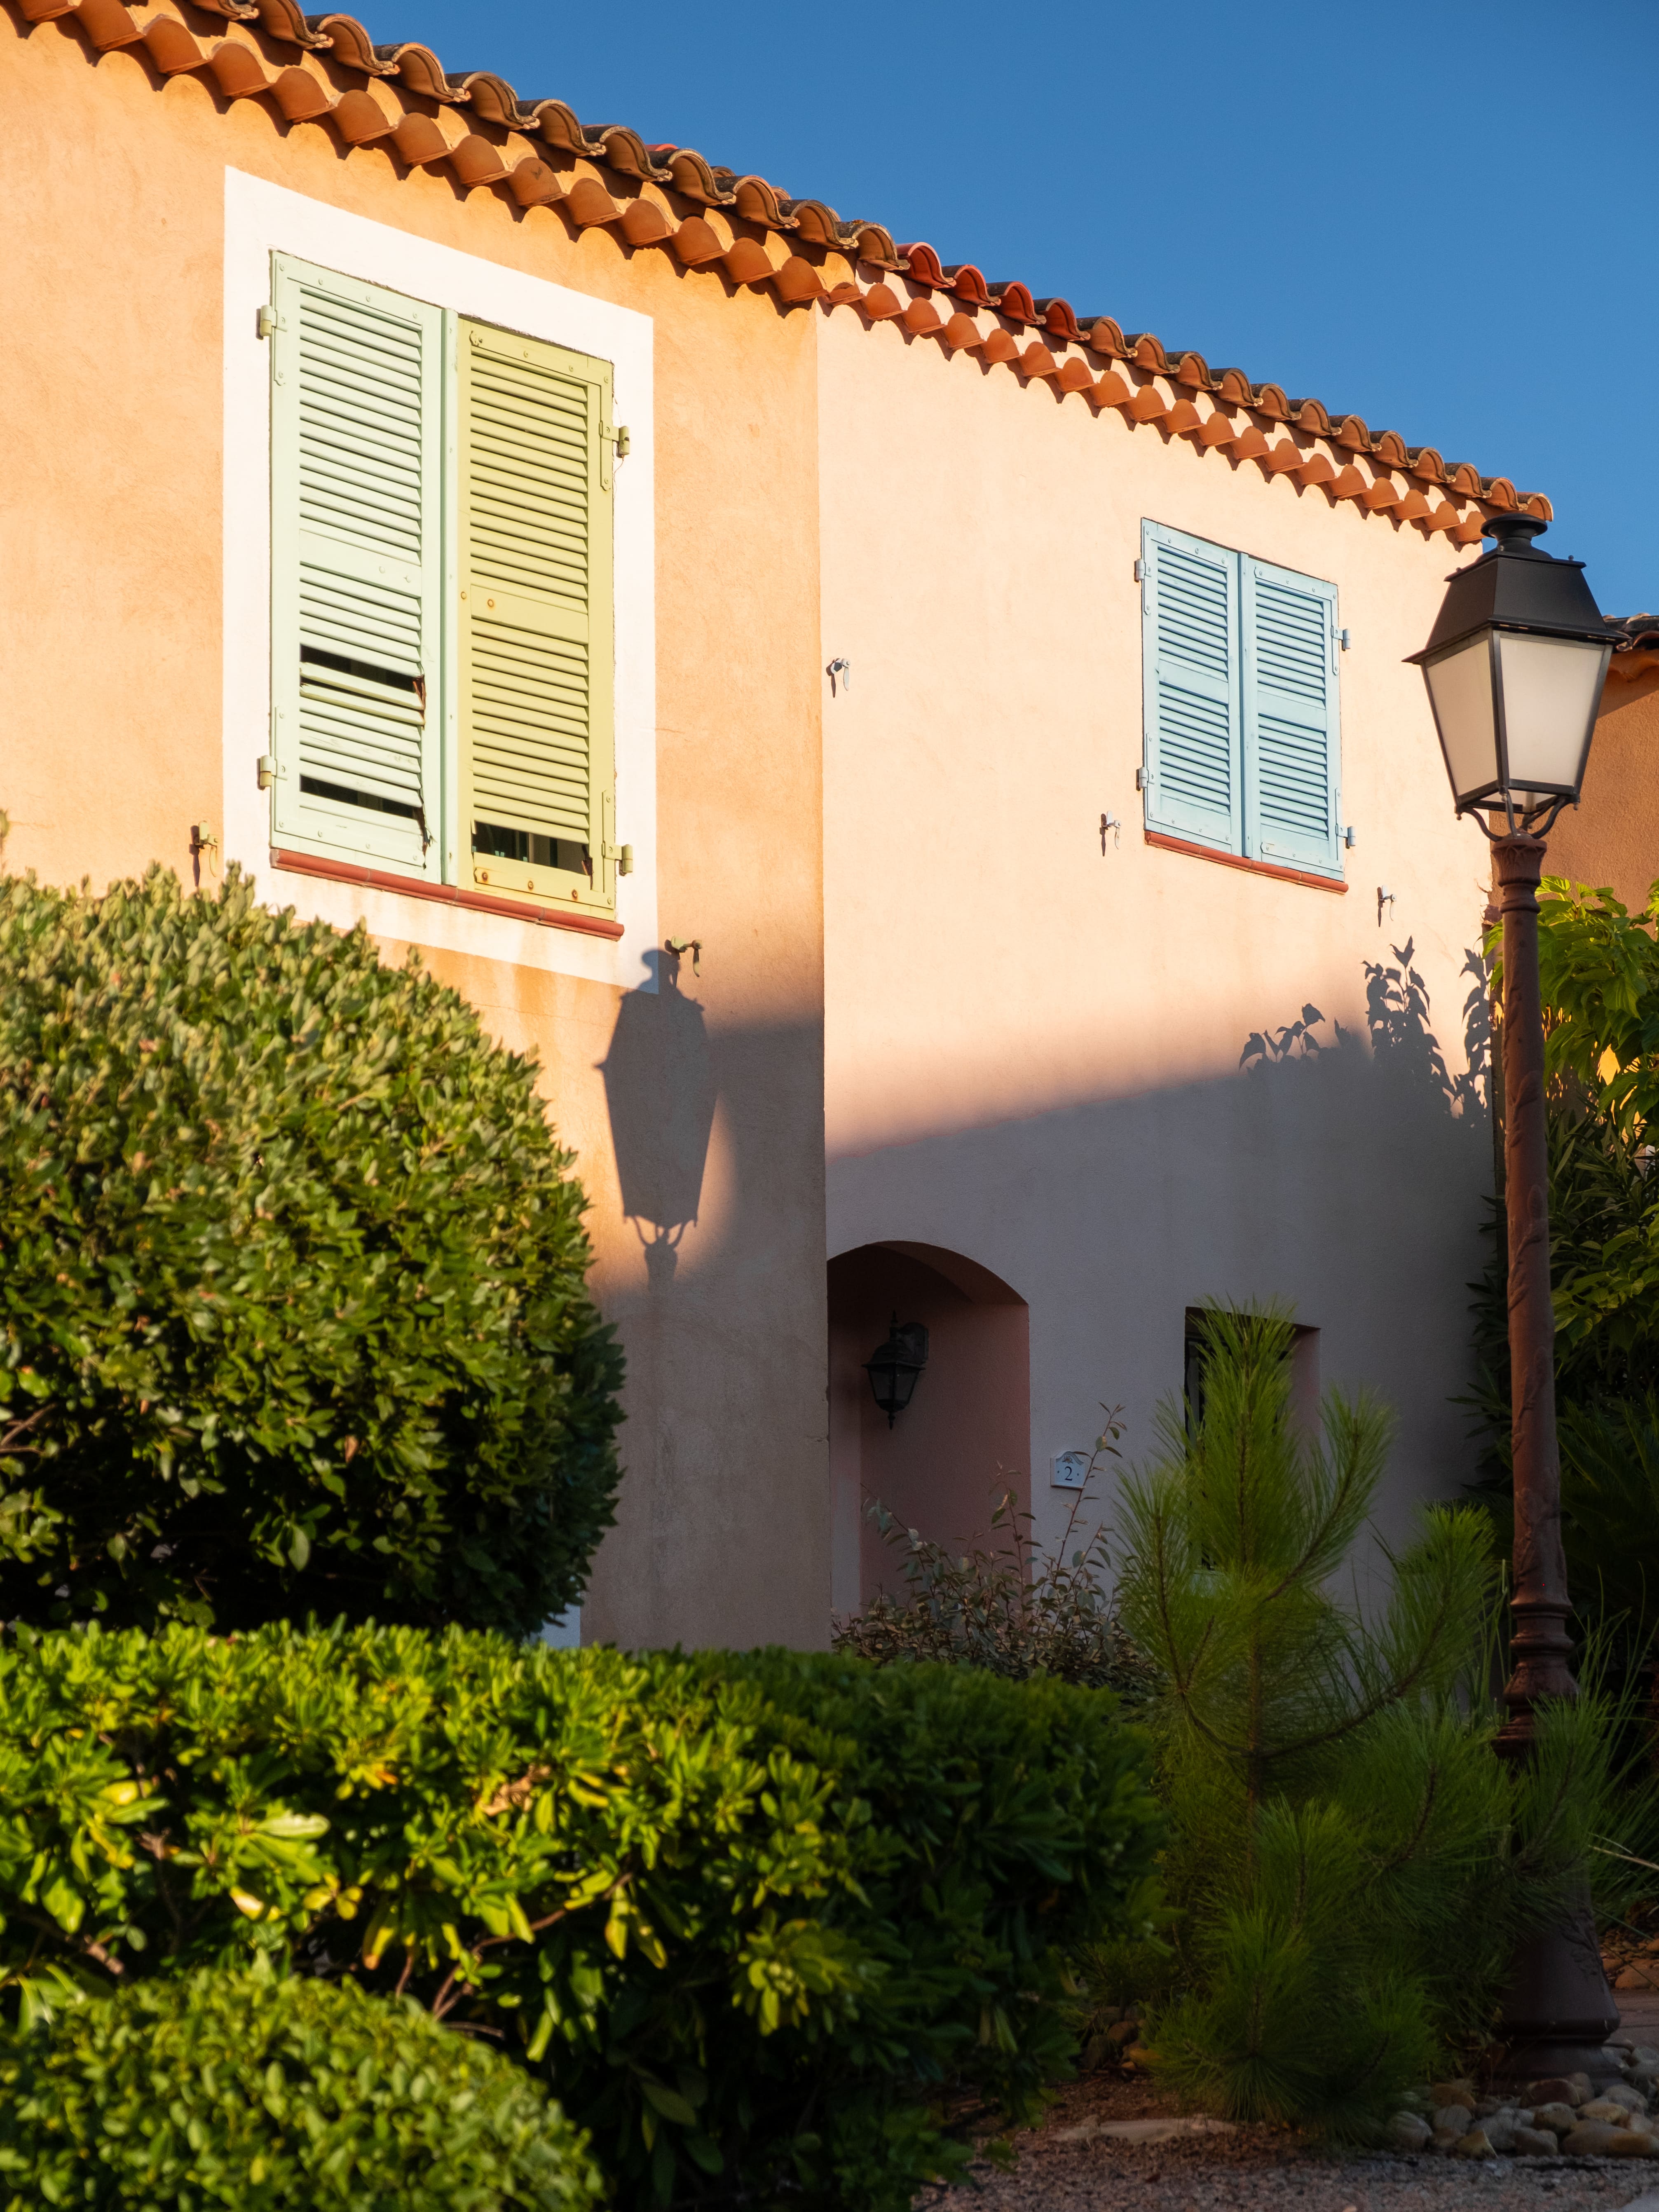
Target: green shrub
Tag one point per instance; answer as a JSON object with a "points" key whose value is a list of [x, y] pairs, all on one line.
{"points": [[1013, 1610], [753, 1917], [292, 1313], [238, 2089], [1353, 1862]]}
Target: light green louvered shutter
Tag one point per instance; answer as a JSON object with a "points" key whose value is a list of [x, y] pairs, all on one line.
{"points": [[1292, 756], [538, 744], [356, 569], [1190, 675]]}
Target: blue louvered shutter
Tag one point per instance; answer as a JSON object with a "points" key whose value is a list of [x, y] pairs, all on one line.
{"points": [[1292, 752], [357, 569], [1190, 665]]}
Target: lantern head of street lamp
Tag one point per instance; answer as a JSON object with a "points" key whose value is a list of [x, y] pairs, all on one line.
{"points": [[893, 1367], [1515, 666]]}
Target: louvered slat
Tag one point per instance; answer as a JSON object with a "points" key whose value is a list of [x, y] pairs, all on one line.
{"points": [[1191, 674], [536, 636], [357, 564], [1290, 718]]}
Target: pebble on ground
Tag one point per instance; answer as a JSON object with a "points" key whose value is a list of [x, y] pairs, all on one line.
{"points": [[1255, 2169]]}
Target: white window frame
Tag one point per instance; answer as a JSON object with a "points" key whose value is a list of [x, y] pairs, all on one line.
{"points": [[262, 219]]}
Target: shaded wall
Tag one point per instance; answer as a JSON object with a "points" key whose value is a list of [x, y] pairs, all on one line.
{"points": [[112, 744], [960, 1446], [1126, 1079]]}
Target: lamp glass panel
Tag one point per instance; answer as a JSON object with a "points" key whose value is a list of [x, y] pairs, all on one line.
{"points": [[1460, 691], [1551, 688]]}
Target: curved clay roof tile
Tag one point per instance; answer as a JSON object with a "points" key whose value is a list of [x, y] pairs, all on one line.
{"points": [[1309, 414], [923, 264], [1270, 400], [1351, 431], [1427, 464], [693, 178], [1106, 338], [1192, 370], [558, 125], [1016, 303], [1148, 350], [966, 282], [1234, 387], [1059, 320], [874, 243], [494, 98], [758, 202], [1391, 450], [350, 44], [422, 71], [1465, 478], [626, 152], [1534, 502], [242, 11], [817, 222], [282, 19], [1497, 491]]}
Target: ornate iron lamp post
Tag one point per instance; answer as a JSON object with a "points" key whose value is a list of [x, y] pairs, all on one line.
{"points": [[1515, 667]]}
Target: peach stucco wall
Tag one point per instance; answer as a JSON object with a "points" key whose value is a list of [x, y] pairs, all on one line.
{"points": [[1081, 1069], [112, 358]]}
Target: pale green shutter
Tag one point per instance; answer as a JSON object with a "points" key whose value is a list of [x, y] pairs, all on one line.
{"points": [[1190, 674], [356, 570], [538, 744], [1291, 757]]}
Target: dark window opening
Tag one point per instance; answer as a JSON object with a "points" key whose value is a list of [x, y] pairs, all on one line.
{"points": [[399, 678], [493, 841], [345, 796], [1301, 1356]]}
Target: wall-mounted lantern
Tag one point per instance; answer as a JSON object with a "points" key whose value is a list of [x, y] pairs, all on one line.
{"points": [[894, 1366]]}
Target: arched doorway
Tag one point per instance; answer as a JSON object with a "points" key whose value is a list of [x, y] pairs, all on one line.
{"points": [[966, 1436]]}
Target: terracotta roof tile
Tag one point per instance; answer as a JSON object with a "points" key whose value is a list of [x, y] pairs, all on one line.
{"points": [[490, 138]]}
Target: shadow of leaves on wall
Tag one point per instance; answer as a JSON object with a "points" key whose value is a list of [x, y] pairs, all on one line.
{"points": [[1399, 1028]]}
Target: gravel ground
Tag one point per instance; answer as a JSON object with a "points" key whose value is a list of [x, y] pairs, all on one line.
{"points": [[1249, 2168]]}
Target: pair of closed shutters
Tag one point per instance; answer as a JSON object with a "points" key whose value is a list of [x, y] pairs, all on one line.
{"points": [[441, 594], [1242, 731]]}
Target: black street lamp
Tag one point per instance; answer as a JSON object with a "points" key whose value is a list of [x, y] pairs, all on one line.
{"points": [[1515, 666], [894, 1366]]}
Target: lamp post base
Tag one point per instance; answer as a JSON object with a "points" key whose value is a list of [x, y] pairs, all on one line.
{"points": [[1558, 2011]]}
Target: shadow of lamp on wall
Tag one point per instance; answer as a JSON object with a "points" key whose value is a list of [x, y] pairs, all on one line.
{"points": [[894, 1367], [659, 1092]]}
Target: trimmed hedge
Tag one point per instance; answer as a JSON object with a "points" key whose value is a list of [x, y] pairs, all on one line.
{"points": [[751, 1916], [243, 2091], [293, 1307]]}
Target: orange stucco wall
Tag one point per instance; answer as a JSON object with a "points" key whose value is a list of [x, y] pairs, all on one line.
{"points": [[112, 744], [1127, 1079], [1612, 837]]}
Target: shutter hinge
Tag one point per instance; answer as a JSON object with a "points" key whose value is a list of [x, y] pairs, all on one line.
{"points": [[1342, 639], [1143, 781], [267, 324], [1140, 572], [268, 770], [622, 854]]}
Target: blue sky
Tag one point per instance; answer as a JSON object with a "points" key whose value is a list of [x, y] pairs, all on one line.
{"points": [[1439, 216]]}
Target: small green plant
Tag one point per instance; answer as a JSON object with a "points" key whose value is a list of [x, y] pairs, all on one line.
{"points": [[1013, 1609], [754, 1917], [244, 2091], [1352, 1861], [293, 1314]]}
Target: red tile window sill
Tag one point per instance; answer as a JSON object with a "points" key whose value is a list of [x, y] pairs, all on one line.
{"points": [[1237, 860], [379, 879]]}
